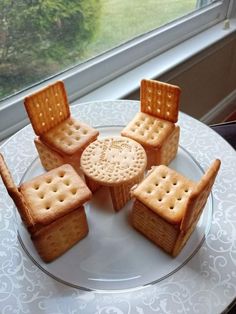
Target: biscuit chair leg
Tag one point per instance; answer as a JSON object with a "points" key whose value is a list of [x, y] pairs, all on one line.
{"points": [[170, 148], [184, 236], [153, 157], [53, 240], [165, 154], [120, 194], [154, 227], [92, 185], [49, 158]]}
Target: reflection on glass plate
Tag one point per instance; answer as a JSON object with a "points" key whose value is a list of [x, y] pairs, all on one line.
{"points": [[114, 256]]}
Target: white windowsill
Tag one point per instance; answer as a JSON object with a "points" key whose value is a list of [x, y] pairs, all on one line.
{"points": [[125, 84]]}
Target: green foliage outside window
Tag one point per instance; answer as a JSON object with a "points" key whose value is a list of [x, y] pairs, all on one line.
{"points": [[40, 37]]}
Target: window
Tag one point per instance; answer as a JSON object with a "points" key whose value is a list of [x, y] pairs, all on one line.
{"points": [[89, 42]]}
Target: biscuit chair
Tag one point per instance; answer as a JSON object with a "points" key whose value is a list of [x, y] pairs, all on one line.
{"points": [[168, 206], [51, 208], [60, 138], [154, 126]]}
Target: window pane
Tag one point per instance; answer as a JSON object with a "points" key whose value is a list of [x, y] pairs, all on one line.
{"points": [[40, 38]]}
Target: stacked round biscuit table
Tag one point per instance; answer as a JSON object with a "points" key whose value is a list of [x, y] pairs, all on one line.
{"points": [[116, 162]]}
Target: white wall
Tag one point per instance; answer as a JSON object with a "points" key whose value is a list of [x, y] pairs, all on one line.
{"points": [[208, 82]]}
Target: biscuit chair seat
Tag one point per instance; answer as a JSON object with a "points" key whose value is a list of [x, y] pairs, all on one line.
{"points": [[51, 207], [168, 205], [154, 126], [60, 138]]}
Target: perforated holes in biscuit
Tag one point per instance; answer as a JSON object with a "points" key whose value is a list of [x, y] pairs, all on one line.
{"points": [[61, 198], [36, 186], [66, 182], [47, 206], [48, 180], [61, 174], [73, 191], [41, 196], [54, 189], [69, 132]]}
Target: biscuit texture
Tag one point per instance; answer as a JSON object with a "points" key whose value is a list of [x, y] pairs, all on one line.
{"points": [[49, 158], [198, 198], [154, 227], [55, 239], [148, 130], [160, 99], [168, 205], [47, 107], [61, 139], [166, 193], [14, 193], [55, 194], [113, 161], [70, 136]]}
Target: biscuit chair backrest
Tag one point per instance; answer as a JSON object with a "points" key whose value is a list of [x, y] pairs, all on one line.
{"points": [[47, 107], [198, 198], [160, 99], [14, 193]]}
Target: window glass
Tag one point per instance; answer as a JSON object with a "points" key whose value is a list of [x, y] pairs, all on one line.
{"points": [[40, 38]]}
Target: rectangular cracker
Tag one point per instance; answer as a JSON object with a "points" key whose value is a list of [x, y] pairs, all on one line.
{"points": [[15, 194], [165, 192], [160, 99], [55, 194], [70, 137], [199, 196], [53, 240], [49, 158], [147, 130], [154, 227], [170, 147], [47, 107]]}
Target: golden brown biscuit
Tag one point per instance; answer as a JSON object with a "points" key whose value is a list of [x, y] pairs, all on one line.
{"points": [[160, 99], [61, 138], [117, 162], [198, 198], [70, 137], [154, 126], [154, 227], [54, 194], [168, 206], [49, 158], [47, 107], [147, 130], [55, 239], [14, 193], [166, 192], [51, 206], [113, 160]]}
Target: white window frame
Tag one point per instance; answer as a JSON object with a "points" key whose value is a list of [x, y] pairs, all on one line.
{"points": [[83, 79]]}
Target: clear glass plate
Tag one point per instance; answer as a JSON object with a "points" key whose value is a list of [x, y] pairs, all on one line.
{"points": [[114, 256]]}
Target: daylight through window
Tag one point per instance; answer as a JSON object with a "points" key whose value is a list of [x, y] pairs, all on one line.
{"points": [[41, 38]]}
